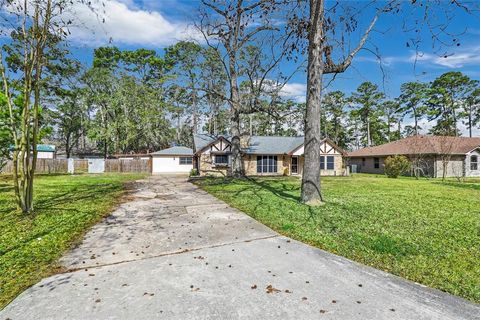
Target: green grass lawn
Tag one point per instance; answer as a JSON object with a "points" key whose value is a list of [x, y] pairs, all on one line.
{"points": [[426, 231], [65, 207]]}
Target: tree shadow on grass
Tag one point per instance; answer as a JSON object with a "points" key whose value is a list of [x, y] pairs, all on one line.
{"points": [[5, 187], [279, 190], [76, 194], [460, 185], [57, 203]]}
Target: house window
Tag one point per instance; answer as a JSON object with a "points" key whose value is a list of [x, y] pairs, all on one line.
{"points": [[186, 160], [221, 160], [294, 165], [376, 163], [473, 163], [330, 163], [266, 164], [322, 163], [363, 162]]}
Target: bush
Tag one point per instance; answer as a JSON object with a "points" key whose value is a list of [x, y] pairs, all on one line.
{"points": [[396, 165], [193, 173]]}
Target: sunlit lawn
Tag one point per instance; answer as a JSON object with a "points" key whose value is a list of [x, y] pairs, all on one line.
{"points": [[65, 207], [427, 231]]}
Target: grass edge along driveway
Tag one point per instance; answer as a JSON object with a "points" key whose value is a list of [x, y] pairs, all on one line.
{"points": [[426, 231], [65, 208]]}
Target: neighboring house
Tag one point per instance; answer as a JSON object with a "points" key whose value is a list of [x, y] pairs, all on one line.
{"points": [[44, 151], [430, 156], [263, 155], [172, 160]]}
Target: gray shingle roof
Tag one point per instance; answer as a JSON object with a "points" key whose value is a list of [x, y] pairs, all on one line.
{"points": [[257, 144], [175, 151], [202, 140], [272, 145]]}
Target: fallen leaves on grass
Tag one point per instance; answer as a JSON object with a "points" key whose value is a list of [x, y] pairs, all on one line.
{"points": [[271, 289]]}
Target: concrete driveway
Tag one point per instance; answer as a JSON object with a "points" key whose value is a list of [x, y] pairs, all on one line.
{"points": [[175, 252]]}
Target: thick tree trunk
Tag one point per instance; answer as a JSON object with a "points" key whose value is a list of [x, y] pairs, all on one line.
{"points": [[311, 188], [237, 163], [369, 136], [416, 123], [194, 112], [67, 145], [470, 122], [179, 128]]}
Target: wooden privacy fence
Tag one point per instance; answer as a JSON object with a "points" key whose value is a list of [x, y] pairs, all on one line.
{"points": [[43, 166], [128, 165], [81, 166]]}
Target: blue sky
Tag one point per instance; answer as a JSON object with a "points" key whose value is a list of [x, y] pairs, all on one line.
{"points": [[159, 23], [155, 24]]}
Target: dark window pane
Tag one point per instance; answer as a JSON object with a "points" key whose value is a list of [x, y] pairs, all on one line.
{"points": [[473, 163], [294, 165], [221, 159], [259, 164], [322, 162], [186, 160], [330, 163]]}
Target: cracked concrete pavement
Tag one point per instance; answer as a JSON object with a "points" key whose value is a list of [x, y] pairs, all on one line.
{"points": [[175, 252]]}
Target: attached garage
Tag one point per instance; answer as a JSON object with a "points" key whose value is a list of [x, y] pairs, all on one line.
{"points": [[172, 160]]}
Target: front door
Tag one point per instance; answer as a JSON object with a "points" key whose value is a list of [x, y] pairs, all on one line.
{"points": [[294, 165]]}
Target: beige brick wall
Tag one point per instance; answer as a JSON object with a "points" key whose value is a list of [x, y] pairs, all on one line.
{"points": [[284, 163], [368, 166], [207, 168], [250, 165], [338, 169]]}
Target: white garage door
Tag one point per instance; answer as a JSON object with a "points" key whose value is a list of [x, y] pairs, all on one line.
{"points": [[172, 164]]}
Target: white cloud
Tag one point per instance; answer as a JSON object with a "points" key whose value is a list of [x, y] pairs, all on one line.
{"points": [[385, 61], [123, 23], [294, 91], [468, 56], [426, 125]]}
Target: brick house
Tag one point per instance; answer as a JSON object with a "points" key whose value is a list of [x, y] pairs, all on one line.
{"points": [[430, 156], [263, 155]]}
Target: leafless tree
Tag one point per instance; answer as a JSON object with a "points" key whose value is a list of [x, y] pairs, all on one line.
{"points": [[446, 147], [421, 161], [328, 29], [322, 22], [230, 28]]}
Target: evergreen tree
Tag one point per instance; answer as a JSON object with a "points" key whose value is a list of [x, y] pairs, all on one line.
{"points": [[366, 106]]}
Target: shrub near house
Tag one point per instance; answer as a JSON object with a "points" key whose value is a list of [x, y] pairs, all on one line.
{"points": [[396, 165]]}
